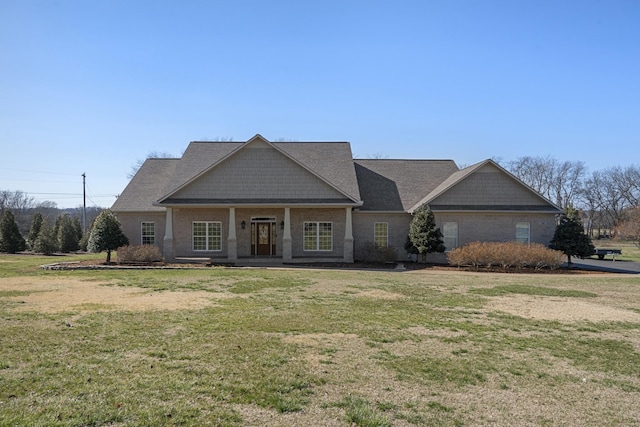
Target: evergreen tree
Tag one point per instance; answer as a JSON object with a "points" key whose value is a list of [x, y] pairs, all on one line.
{"points": [[36, 226], [46, 242], [570, 237], [106, 234], [423, 234], [77, 227], [11, 240], [68, 240]]}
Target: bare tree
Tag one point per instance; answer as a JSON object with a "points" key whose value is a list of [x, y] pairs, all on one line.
{"points": [[566, 182], [604, 198], [558, 181], [629, 228]]}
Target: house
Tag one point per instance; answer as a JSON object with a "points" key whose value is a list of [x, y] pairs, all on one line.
{"points": [[311, 201]]}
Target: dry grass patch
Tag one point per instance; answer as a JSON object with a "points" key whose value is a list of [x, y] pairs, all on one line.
{"points": [[54, 295]]}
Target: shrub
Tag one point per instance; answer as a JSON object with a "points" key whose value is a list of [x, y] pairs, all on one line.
{"points": [[144, 254], [376, 254], [508, 255]]}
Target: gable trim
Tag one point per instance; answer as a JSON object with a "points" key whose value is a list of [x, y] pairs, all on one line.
{"points": [[162, 201], [465, 173]]}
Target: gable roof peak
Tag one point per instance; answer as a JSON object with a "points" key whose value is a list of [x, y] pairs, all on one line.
{"points": [[258, 137]]}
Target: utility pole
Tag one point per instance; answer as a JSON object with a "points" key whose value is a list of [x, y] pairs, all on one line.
{"points": [[84, 203]]}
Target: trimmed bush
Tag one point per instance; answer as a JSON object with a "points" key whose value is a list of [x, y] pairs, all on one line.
{"points": [[506, 255], [375, 254], [144, 254]]}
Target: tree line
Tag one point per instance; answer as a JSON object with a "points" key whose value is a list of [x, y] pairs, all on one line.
{"points": [[608, 199], [42, 227]]}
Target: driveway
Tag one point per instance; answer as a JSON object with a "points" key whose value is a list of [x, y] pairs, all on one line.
{"points": [[607, 265]]}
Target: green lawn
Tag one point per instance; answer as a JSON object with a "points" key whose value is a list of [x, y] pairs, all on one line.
{"points": [[290, 347]]}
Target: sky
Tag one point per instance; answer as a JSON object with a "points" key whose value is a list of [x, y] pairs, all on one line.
{"points": [[94, 86]]}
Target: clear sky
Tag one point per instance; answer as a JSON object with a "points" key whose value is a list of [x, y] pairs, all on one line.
{"points": [[95, 85]]}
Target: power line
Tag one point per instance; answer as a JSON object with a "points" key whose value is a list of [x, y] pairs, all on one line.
{"points": [[42, 172]]}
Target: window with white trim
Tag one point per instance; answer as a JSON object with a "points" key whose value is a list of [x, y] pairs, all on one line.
{"points": [[318, 236], [381, 234], [523, 232], [148, 230], [207, 236], [450, 235]]}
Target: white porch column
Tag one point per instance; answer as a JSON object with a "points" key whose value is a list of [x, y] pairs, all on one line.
{"points": [[286, 237], [168, 236], [232, 241], [348, 236]]}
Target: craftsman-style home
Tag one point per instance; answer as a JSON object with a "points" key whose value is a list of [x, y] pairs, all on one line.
{"points": [[311, 201]]}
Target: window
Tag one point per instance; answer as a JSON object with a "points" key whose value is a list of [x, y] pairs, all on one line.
{"points": [[450, 235], [207, 236], [148, 233], [381, 234], [318, 236], [523, 232]]}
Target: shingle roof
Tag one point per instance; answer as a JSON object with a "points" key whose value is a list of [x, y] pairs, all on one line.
{"points": [[462, 174], [396, 185], [159, 178], [148, 184]]}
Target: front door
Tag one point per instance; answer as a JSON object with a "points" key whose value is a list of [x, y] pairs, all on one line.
{"points": [[263, 238]]}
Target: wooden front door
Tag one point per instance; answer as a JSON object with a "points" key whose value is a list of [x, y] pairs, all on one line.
{"points": [[263, 238]]}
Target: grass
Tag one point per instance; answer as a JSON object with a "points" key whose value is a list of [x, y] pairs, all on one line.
{"points": [[315, 347]]}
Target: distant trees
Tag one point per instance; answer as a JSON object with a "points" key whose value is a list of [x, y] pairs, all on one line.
{"points": [[629, 228], [603, 196], [558, 181], [424, 236], [570, 238], [106, 234]]}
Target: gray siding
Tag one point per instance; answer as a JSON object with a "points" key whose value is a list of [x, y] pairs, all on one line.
{"points": [[258, 172], [488, 186], [497, 227], [398, 227], [131, 223]]}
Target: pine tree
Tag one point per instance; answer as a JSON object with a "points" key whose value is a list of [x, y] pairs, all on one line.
{"points": [[68, 240], [36, 226], [423, 234], [11, 240], [106, 234], [570, 237], [46, 242]]}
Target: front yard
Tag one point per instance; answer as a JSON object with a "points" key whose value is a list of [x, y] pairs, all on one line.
{"points": [[267, 347]]}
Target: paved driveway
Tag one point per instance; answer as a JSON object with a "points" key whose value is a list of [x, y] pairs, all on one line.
{"points": [[607, 265]]}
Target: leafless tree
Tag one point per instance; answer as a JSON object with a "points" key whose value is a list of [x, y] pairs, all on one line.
{"points": [[629, 228], [558, 181]]}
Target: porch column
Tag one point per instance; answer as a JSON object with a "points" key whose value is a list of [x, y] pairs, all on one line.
{"points": [[232, 241], [286, 237], [348, 236], [168, 237]]}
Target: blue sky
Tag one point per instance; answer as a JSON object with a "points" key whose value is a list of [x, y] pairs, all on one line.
{"points": [[93, 86]]}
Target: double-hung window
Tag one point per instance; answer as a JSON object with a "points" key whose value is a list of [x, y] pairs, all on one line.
{"points": [[450, 235], [318, 236], [207, 236], [523, 232], [148, 233], [381, 234]]}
